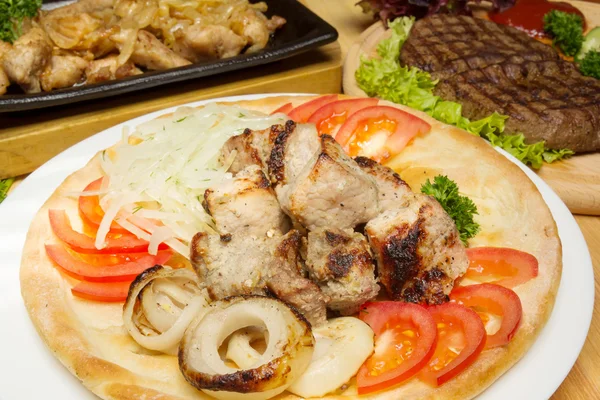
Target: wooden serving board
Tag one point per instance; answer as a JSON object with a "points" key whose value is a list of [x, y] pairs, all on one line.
{"points": [[30, 138], [576, 180]]}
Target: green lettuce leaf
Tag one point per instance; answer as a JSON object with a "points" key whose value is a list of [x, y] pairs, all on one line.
{"points": [[385, 78]]}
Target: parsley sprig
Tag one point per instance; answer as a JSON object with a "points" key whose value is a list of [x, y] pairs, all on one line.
{"points": [[460, 208], [12, 14]]}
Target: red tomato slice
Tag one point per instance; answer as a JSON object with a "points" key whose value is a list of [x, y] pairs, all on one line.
{"points": [[493, 299], [303, 112], [379, 132], [286, 108], [461, 338], [510, 267], [116, 268], [90, 210], [405, 338], [333, 115], [105, 292], [115, 242]]}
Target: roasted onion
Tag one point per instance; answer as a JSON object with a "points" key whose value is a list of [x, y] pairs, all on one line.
{"points": [[161, 303], [289, 348], [342, 346]]}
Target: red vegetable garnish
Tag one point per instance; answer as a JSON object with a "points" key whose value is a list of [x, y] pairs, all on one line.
{"points": [[105, 292], [303, 112], [488, 298], [329, 118], [502, 266], [461, 338], [405, 339], [104, 267], [388, 10], [90, 210], [115, 242], [379, 132], [286, 108]]}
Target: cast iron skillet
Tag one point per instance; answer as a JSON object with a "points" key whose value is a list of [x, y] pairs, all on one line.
{"points": [[303, 31]]}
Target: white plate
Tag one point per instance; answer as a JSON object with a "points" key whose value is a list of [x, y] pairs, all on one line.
{"points": [[29, 371]]}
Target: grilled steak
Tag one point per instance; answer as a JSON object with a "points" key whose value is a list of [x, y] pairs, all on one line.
{"points": [[488, 67]]}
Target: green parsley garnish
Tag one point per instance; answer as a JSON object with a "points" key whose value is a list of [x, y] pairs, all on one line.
{"points": [[12, 15], [5, 185], [460, 208], [566, 30]]}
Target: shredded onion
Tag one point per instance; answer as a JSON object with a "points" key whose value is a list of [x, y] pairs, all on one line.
{"points": [[171, 163]]}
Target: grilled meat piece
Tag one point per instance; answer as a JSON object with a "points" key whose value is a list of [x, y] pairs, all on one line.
{"points": [[151, 53], [27, 59], [4, 81], [251, 147], [340, 262], [287, 283], [241, 264], [254, 27], [418, 251], [547, 100], [198, 43], [62, 72], [108, 68], [246, 205], [489, 67], [292, 150], [393, 191], [329, 191]]}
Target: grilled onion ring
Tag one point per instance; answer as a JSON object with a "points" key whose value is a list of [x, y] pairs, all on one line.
{"points": [[289, 348], [160, 305]]}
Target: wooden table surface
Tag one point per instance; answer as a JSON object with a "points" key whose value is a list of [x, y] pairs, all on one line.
{"points": [[583, 382]]}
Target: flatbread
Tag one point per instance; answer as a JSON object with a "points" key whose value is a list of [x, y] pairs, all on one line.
{"points": [[90, 340]]}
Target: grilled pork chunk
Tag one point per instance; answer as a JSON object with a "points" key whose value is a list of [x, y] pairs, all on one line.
{"points": [[418, 251], [340, 262], [246, 205], [393, 191], [241, 264], [292, 150], [329, 191], [251, 147], [62, 72], [207, 42]]}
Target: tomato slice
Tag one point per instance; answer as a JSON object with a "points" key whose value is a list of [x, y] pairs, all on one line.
{"points": [[303, 112], [285, 109], [105, 292], [461, 338], [115, 242], [509, 267], [405, 339], [488, 298], [331, 116], [114, 267], [379, 132], [90, 210]]}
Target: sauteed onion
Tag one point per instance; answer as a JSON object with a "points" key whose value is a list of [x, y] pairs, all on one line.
{"points": [[161, 303], [289, 348]]}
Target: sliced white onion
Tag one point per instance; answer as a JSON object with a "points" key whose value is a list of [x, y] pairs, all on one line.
{"points": [[161, 303], [160, 235], [289, 348], [343, 345]]}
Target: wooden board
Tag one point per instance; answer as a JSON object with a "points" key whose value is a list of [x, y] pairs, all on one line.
{"points": [[29, 139], [576, 180]]}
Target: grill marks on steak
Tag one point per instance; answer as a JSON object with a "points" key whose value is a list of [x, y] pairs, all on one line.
{"points": [[489, 67]]}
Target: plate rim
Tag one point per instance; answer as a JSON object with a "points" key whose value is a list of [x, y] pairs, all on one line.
{"points": [[515, 382]]}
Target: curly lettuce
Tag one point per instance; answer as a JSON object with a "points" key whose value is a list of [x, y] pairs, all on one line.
{"points": [[385, 78]]}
